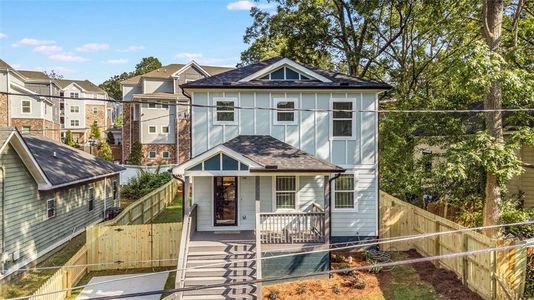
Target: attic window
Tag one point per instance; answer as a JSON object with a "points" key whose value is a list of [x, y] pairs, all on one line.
{"points": [[284, 73]]}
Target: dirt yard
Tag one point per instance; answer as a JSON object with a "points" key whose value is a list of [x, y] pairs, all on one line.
{"points": [[418, 281]]}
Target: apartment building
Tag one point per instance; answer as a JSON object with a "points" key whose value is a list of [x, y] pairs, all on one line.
{"points": [[151, 116]]}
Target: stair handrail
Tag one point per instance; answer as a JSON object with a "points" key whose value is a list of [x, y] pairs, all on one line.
{"points": [[188, 226]]}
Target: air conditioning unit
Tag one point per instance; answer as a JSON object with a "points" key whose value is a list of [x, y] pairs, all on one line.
{"points": [[16, 255]]}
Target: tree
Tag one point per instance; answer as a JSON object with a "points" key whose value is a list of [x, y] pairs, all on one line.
{"points": [[69, 139], [118, 122], [53, 74], [136, 154], [110, 138], [95, 131], [104, 151], [146, 65]]}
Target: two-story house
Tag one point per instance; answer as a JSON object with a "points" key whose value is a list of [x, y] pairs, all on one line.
{"points": [[285, 152], [151, 115], [79, 115], [27, 106]]}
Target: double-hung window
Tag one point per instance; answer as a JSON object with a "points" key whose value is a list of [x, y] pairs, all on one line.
{"points": [[285, 111], [225, 111], [91, 198], [74, 123], [26, 107], [50, 208], [165, 129], [345, 192], [74, 95], [286, 192], [342, 119], [152, 129], [74, 109], [165, 154], [95, 110], [152, 154]]}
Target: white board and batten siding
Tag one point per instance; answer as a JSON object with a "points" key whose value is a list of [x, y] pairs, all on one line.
{"points": [[312, 133]]}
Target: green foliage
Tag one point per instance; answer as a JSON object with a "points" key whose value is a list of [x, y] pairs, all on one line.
{"points": [[343, 266], [336, 289], [338, 258], [301, 289], [110, 138], [355, 283], [274, 294], [512, 212], [104, 151], [119, 121], [144, 183], [69, 139], [529, 285], [95, 131], [136, 154]]}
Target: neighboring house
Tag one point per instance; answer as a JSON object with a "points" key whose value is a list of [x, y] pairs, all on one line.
{"points": [[153, 119], [30, 112], [79, 115], [49, 193], [311, 176]]}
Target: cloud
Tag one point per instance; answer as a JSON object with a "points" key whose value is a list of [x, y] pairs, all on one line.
{"points": [[117, 61], [2, 35], [91, 47], [67, 57], [47, 49], [132, 48], [32, 42], [189, 56], [246, 5]]}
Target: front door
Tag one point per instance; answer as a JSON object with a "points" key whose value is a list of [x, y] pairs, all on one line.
{"points": [[225, 201]]}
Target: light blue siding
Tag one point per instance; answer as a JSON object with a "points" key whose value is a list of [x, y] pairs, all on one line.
{"points": [[246, 126]]}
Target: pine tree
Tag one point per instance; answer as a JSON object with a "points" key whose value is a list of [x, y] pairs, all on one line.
{"points": [[69, 139], [136, 154], [95, 131], [104, 151]]}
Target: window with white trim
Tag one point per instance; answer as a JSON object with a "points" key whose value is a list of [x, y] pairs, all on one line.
{"points": [[91, 198], [74, 123], [225, 112], [50, 208], [152, 129], [165, 105], [152, 105], [74, 95], [285, 113], [95, 110], [345, 192], [286, 192], [285, 73], [164, 129], [26, 107], [26, 129], [152, 154], [342, 119], [165, 154], [75, 109]]}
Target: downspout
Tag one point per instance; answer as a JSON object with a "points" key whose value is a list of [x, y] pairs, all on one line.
{"points": [[183, 189], [3, 172], [330, 215], [190, 122]]}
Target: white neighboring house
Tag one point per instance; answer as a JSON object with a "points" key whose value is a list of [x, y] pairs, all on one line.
{"points": [[78, 115]]}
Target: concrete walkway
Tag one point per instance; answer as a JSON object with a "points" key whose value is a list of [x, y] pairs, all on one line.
{"points": [[152, 282]]}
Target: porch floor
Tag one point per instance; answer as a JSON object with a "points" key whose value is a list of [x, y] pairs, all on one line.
{"points": [[243, 236]]}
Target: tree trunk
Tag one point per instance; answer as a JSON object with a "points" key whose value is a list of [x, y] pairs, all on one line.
{"points": [[492, 27]]}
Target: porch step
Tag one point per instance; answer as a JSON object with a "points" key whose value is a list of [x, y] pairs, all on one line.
{"points": [[224, 291], [221, 271], [220, 297], [218, 247], [209, 255], [195, 281], [219, 263]]}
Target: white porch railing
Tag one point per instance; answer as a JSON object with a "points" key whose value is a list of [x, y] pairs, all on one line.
{"points": [[293, 227]]}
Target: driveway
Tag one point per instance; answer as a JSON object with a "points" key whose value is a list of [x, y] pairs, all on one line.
{"points": [[152, 282]]}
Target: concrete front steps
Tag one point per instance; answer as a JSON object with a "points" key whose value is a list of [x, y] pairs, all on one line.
{"points": [[221, 263]]}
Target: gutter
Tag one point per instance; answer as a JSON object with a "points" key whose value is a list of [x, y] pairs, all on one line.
{"points": [[52, 187], [3, 171], [190, 121]]}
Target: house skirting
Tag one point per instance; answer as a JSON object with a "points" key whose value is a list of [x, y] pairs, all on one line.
{"points": [[294, 265]]}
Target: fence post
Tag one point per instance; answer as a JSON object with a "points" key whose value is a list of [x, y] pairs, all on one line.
{"points": [[465, 261], [437, 242], [493, 265]]}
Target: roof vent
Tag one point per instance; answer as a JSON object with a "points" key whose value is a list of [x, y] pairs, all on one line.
{"points": [[226, 83], [271, 167], [54, 154], [344, 83]]}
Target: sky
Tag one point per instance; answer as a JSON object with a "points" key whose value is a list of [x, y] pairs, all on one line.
{"points": [[83, 39]]}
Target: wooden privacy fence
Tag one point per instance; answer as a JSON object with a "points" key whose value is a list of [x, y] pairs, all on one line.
{"points": [[149, 206], [133, 246], [493, 275], [64, 278]]}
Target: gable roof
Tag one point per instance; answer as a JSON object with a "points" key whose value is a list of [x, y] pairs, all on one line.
{"points": [[168, 70], [69, 165], [37, 75], [84, 84], [240, 78], [4, 65]]}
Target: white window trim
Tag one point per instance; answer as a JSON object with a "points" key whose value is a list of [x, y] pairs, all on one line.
{"points": [[71, 125], [168, 154], [227, 99], [274, 191], [168, 129], [95, 110], [295, 112], [75, 112], [155, 105], [350, 100], [155, 129], [48, 207], [22, 107], [355, 199], [155, 154]]}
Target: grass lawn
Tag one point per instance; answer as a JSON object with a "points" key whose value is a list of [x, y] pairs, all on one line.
{"points": [[172, 213], [27, 283]]}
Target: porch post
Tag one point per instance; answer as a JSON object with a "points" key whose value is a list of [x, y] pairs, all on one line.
{"points": [[327, 199], [258, 238], [187, 206]]}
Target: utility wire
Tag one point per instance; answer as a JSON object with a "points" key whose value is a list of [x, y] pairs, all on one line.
{"points": [[318, 110], [389, 240]]}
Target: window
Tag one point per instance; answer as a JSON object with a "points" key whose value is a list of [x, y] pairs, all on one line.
{"points": [[342, 120], [151, 105], [75, 123], [26, 107], [164, 129], [152, 154], [95, 110], [152, 129], [91, 198], [74, 95], [286, 192], [284, 73], [26, 129], [225, 112], [285, 113], [115, 190], [75, 109], [165, 154], [50, 208], [344, 192], [165, 106]]}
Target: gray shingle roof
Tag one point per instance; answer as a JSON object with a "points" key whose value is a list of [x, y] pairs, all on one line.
{"points": [[5, 132], [69, 164], [230, 79], [277, 156], [168, 70], [85, 84]]}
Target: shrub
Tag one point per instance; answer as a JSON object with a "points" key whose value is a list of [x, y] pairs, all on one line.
{"points": [[356, 283], [274, 294], [336, 289], [144, 183], [338, 258], [529, 285], [513, 212], [136, 154], [345, 266], [301, 289], [104, 151]]}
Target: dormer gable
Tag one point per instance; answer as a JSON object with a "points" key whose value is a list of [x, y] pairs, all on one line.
{"points": [[285, 69]]}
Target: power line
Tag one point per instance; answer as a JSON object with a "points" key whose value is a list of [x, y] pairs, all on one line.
{"points": [[316, 110], [386, 240]]}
